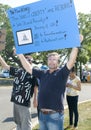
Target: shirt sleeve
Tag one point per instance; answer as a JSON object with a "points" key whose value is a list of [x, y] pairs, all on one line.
{"points": [[37, 73], [36, 81], [65, 71]]}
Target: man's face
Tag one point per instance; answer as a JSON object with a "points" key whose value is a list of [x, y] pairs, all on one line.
{"points": [[53, 62]]}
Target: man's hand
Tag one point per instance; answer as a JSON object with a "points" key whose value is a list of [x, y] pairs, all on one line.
{"points": [[81, 37], [14, 51]]}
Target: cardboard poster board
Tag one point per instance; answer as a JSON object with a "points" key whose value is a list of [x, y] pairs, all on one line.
{"points": [[44, 25]]}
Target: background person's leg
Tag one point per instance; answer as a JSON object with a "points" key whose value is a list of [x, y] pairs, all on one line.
{"points": [[16, 115]]}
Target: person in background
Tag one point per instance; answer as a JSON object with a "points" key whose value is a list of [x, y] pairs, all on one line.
{"points": [[88, 76], [24, 86], [72, 94], [52, 89]]}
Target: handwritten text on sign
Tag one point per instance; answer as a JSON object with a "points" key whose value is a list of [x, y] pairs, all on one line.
{"points": [[44, 25]]}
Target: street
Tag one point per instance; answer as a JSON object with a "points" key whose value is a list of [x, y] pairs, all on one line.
{"points": [[6, 107]]}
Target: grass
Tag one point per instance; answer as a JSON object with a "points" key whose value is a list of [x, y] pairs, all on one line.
{"points": [[6, 81], [84, 117]]}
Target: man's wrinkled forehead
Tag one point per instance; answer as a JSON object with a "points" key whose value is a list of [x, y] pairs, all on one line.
{"points": [[53, 54]]}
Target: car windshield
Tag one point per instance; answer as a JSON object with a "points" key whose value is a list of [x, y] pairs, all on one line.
{"points": [[4, 74]]}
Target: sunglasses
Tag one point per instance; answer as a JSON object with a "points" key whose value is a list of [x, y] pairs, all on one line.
{"points": [[29, 60]]}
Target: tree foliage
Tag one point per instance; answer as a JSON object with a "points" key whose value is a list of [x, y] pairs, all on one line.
{"points": [[4, 23], [84, 23]]}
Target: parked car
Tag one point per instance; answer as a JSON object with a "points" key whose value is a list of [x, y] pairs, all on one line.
{"points": [[4, 74], [44, 67]]}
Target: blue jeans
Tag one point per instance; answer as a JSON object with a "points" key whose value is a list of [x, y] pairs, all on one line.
{"points": [[53, 121]]}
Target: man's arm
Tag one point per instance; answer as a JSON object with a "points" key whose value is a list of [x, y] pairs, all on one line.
{"points": [[73, 55], [27, 66], [72, 58], [4, 64]]}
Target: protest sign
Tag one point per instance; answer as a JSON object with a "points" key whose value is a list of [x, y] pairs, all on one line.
{"points": [[44, 25]]}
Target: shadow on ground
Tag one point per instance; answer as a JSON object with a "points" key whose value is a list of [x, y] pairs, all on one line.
{"points": [[10, 119]]}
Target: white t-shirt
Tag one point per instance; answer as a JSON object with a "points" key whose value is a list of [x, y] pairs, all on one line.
{"points": [[72, 91]]}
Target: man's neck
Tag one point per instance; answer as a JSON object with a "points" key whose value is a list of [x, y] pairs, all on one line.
{"points": [[52, 70]]}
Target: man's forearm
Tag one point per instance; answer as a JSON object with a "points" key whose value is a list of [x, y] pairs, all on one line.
{"points": [[73, 55], [26, 65], [72, 58], [4, 64]]}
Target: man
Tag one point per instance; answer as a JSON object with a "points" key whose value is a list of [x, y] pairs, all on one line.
{"points": [[52, 88], [24, 86]]}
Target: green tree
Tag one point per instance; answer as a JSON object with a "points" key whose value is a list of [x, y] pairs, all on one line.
{"points": [[7, 53], [84, 24]]}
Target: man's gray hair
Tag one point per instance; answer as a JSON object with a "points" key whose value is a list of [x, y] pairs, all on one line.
{"points": [[54, 54]]}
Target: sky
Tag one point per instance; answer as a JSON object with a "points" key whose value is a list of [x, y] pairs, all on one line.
{"points": [[82, 6]]}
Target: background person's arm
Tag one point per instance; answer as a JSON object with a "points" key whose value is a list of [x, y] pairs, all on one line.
{"points": [[4, 64], [76, 87], [35, 99]]}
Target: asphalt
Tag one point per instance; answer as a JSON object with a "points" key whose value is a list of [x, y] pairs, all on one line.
{"points": [[82, 98], [34, 122]]}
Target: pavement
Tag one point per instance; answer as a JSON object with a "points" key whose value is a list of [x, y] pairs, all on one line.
{"points": [[34, 122]]}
